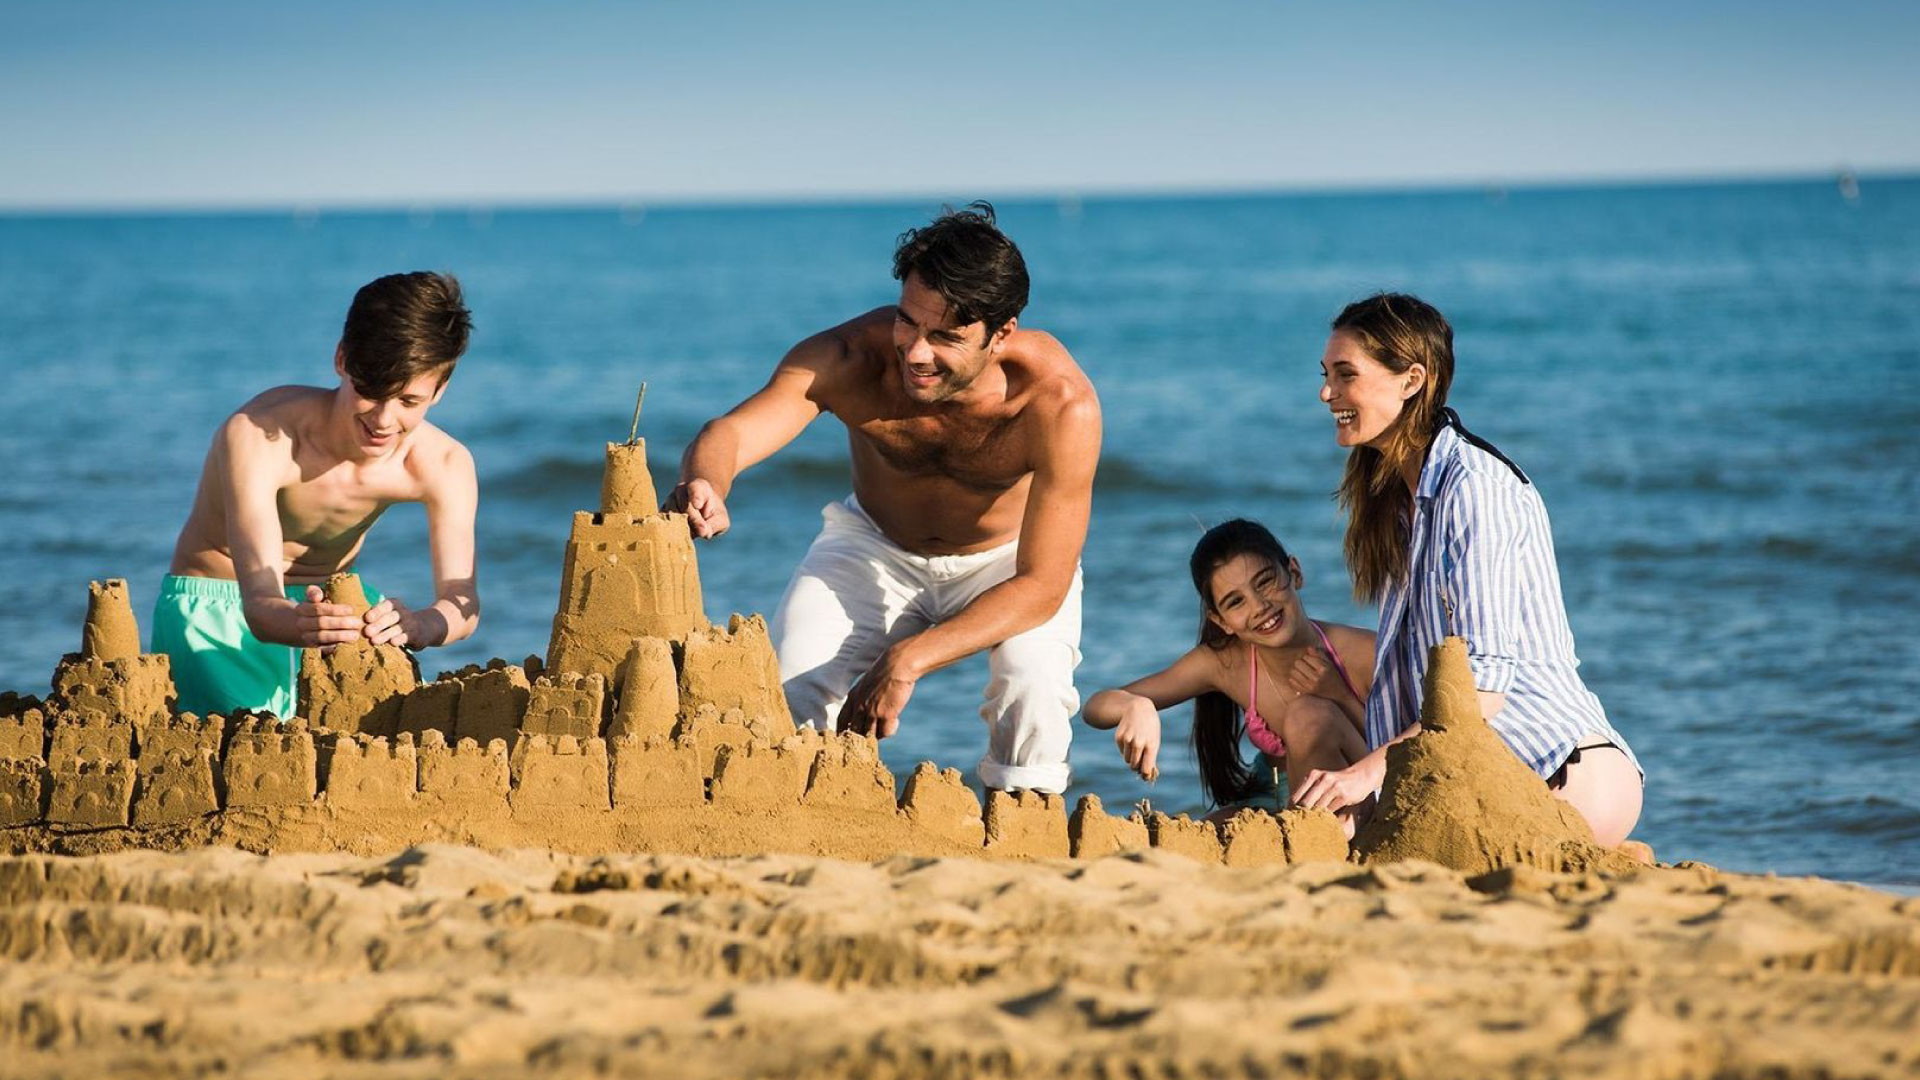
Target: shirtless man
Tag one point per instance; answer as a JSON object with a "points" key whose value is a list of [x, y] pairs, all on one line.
{"points": [[973, 444], [291, 485]]}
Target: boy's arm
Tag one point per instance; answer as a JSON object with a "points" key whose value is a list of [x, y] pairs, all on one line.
{"points": [[249, 464], [452, 498]]}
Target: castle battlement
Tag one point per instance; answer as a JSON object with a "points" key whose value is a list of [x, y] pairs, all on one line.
{"points": [[647, 728]]}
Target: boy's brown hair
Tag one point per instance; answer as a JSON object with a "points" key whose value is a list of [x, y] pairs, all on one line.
{"points": [[403, 326]]}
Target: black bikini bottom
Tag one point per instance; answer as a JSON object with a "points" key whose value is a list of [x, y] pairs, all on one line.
{"points": [[1559, 778]]}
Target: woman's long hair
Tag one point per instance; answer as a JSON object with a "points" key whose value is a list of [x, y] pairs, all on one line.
{"points": [[1398, 331], [1218, 723]]}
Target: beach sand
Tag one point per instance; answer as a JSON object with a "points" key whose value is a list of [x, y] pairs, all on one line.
{"points": [[446, 960]]}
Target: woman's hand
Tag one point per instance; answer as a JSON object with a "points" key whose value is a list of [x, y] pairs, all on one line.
{"points": [[1138, 737], [1340, 788]]}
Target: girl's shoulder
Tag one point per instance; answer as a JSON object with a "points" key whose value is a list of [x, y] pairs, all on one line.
{"points": [[1348, 640], [1224, 668]]}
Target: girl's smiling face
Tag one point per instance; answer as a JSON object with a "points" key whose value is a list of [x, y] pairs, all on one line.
{"points": [[1256, 600], [1366, 397]]}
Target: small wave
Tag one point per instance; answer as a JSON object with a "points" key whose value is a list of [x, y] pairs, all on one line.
{"points": [[1699, 480], [1899, 556]]}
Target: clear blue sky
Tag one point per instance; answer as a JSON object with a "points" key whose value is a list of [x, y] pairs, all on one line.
{"points": [[220, 104]]}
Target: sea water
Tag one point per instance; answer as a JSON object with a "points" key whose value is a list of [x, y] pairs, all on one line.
{"points": [[1714, 387]]}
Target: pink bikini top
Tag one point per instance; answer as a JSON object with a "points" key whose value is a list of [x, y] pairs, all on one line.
{"points": [[1264, 737]]}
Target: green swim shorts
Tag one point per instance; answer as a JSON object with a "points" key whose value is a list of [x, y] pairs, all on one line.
{"points": [[218, 665]]}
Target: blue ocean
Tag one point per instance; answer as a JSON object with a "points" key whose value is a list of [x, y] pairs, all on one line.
{"points": [[1716, 388]]}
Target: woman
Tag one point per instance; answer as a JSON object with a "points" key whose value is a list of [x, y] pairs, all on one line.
{"points": [[1451, 538]]}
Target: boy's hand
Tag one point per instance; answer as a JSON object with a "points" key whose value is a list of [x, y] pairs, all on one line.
{"points": [[386, 623], [1312, 674], [706, 511], [323, 625], [1138, 737]]}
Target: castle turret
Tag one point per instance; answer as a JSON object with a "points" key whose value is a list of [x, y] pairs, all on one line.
{"points": [[627, 487], [629, 572], [356, 686], [110, 681], [110, 632]]}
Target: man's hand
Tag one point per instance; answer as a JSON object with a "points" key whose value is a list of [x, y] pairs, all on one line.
{"points": [[322, 625], [1312, 674], [874, 704], [1138, 737], [1338, 789], [706, 511]]}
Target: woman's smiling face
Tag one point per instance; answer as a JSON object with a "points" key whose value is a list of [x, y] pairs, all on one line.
{"points": [[1364, 395]]}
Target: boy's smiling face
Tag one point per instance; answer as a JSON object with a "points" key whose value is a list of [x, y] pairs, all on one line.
{"points": [[380, 424]]}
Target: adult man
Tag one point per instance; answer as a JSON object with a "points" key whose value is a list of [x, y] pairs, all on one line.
{"points": [[291, 485], [973, 446]]}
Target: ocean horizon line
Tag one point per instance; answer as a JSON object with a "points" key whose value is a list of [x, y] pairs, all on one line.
{"points": [[685, 202]]}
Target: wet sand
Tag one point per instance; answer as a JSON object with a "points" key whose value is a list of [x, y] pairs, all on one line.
{"points": [[449, 961]]}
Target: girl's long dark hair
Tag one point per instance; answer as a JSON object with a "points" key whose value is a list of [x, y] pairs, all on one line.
{"points": [[1218, 723]]}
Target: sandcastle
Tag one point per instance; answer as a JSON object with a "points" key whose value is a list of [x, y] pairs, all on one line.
{"points": [[646, 729], [1455, 795]]}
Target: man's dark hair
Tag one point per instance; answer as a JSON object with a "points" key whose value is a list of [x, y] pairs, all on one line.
{"points": [[965, 258], [403, 326]]}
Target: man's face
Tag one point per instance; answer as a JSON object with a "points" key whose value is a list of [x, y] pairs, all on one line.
{"points": [[380, 424], [938, 359]]}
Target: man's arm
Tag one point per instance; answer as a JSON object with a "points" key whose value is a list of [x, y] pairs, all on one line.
{"points": [[1054, 529], [249, 462], [750, 433], [452, 496]]}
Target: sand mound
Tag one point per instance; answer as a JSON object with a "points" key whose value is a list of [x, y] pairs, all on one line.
{"points": [[446, 961], [1455, 794]]}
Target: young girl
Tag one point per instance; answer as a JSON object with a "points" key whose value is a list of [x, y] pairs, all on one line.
{"points": [[1302, 684]]}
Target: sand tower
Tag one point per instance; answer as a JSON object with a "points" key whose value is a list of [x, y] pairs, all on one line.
{"points": [[629, 572], [1456, 795], [358, 686], [110, 680]]}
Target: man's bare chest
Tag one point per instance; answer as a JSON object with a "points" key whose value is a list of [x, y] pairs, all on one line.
{"points": [[988, 453]]}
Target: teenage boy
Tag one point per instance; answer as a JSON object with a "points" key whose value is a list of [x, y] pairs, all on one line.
{"points": [[290, 487]]}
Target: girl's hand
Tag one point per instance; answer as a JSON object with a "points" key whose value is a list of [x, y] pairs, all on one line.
{"points": [[1312, 674], [1338, 789], [1138, 737]]}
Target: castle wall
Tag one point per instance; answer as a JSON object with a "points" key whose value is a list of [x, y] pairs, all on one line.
{"points": [[624, 577]]}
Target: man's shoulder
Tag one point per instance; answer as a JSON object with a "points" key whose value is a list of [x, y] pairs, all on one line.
{"points": [[841, 352], [1057, 390]]}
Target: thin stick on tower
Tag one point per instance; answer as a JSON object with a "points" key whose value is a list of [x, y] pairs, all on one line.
{"points": [[633, 434]]}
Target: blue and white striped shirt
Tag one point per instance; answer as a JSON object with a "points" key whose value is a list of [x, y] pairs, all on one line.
{"points": [[1481, 542]]}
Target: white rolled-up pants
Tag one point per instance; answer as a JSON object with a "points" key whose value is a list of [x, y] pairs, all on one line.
{"points": [[857, 592]]}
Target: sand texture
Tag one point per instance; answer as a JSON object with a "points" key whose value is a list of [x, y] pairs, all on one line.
{"points": [[447, 961]]}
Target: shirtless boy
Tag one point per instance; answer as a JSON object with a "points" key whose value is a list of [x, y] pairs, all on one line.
{"points": [[291, 485], [973, 445]]}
